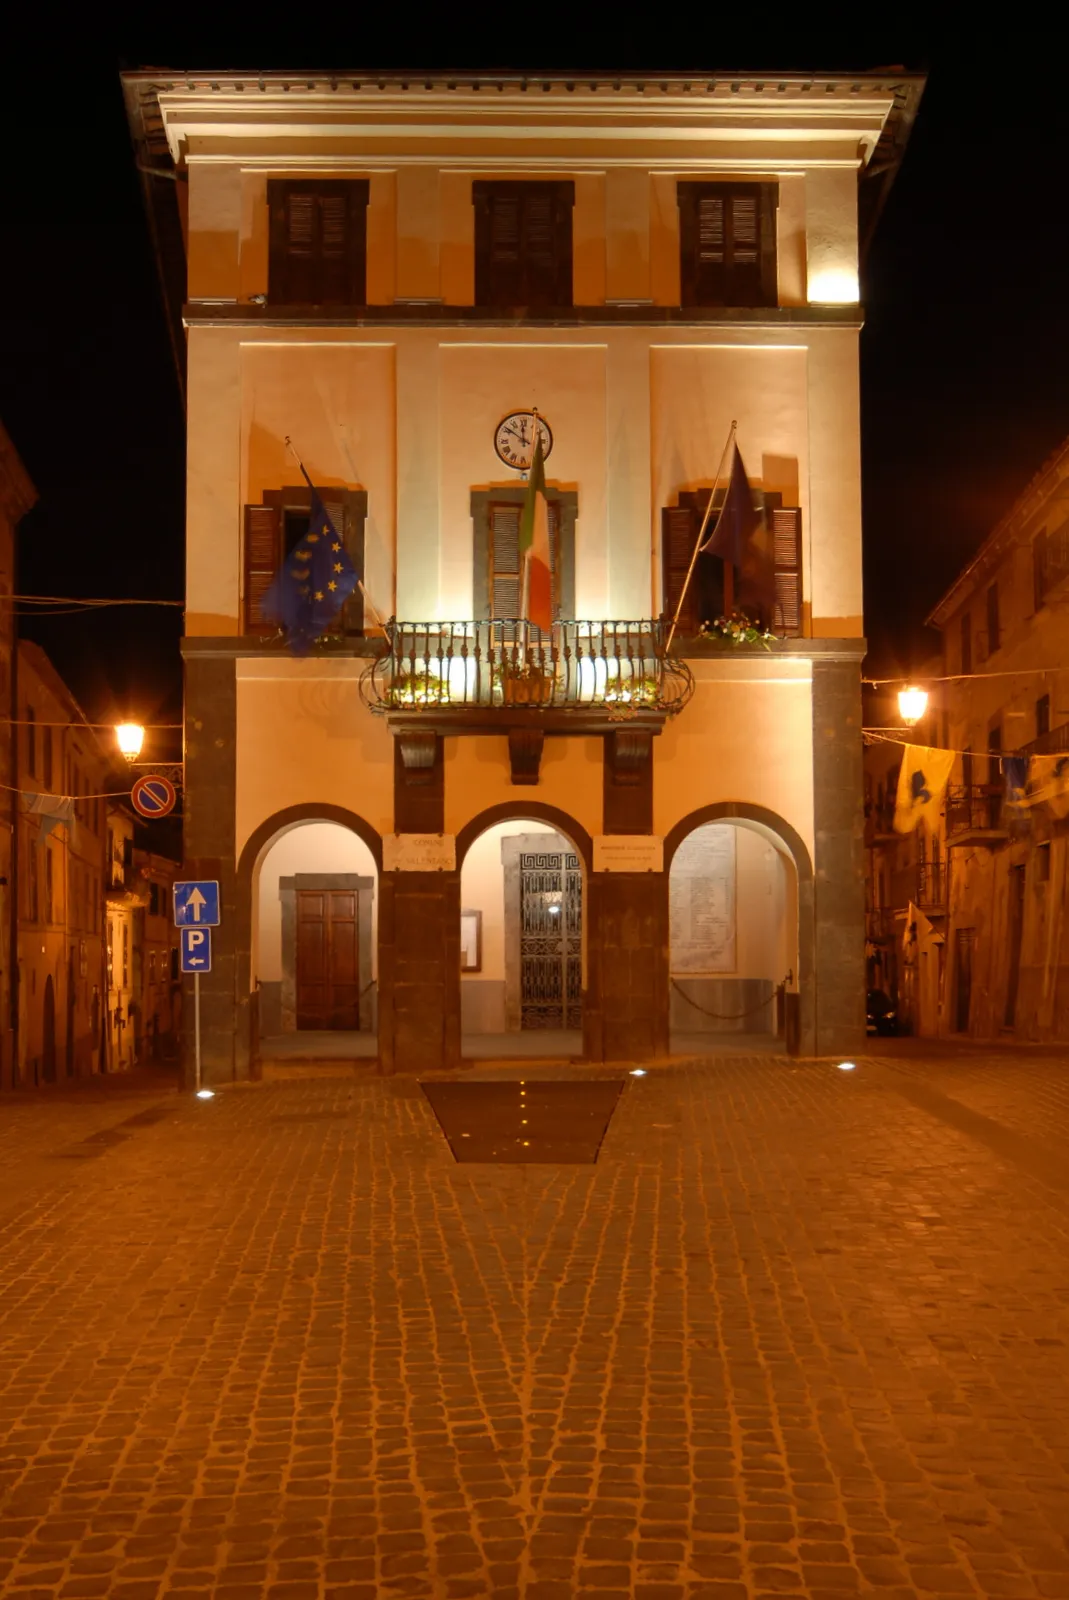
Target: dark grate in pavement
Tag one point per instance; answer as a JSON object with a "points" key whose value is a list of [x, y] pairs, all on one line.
{"points": [[525, 1121]]}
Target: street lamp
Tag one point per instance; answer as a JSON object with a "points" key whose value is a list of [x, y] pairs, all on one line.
{"points": [[130, 737], [912, 704]]}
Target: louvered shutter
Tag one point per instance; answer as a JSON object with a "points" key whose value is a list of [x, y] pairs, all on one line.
{"points": [[727, 239], [523, 243], [679, 530], [263, 557], [318, 232], [504, 585], [787, 556], [504, 574]]}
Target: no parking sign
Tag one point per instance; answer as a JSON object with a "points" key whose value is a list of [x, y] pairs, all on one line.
{"points": [[153, 796]]}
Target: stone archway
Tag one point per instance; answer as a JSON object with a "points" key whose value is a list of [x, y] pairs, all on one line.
{"points": [[791, 845], [246, 1059]]}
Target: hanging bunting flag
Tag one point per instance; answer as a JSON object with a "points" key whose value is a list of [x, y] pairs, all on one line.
{"points": [[922, 783], [1048, 784]]}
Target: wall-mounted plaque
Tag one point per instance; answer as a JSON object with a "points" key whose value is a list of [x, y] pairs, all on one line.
{"points": [[702, 901], [419, 852], [628, 852]]}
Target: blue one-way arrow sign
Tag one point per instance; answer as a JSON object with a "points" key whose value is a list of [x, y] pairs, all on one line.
{"points": [[196, 949], [196, 904]]}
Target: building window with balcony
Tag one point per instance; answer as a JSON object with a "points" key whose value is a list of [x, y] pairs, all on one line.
{"points": [[966, 642], [727, 244], [1042, 715], [281, 522], [994, 634], [49, 886], [496, 576], [46, 751], [1050, 561], [31, 741], [317, 251], [523, 243]]}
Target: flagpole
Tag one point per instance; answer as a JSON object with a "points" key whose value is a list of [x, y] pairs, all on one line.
{"points": [[359, 582], [701, 535]]}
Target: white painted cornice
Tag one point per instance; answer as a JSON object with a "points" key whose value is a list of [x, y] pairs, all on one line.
{"points": [[802, 122]]}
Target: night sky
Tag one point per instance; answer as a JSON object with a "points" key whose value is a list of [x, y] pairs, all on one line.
{"points": [[964, 354]]}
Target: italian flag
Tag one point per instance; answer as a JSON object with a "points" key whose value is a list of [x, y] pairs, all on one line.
{"points": [[534, 546]]}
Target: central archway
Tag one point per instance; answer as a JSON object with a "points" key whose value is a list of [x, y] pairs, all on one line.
{"points": [[523, 972]]}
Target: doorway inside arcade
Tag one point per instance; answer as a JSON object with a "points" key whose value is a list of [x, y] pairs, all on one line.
{"points": [[315, 963], [522, 943]]}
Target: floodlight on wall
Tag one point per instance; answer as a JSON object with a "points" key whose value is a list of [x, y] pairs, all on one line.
{"points": [[912, 704], [130, 736]]}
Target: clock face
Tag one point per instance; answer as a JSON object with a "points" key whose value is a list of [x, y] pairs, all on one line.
{"points": [[514, 439]]}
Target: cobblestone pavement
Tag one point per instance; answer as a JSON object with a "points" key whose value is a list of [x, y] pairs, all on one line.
{"points": [[799, 1332]]}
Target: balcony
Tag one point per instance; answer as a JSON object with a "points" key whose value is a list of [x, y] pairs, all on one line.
{"points": [[487, 677], [974, 815], [1055, 742], [930, 889]]}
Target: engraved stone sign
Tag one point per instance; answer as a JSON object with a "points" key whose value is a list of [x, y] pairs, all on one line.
{"points": [[702, 901], [628, 852], [419, 852]]}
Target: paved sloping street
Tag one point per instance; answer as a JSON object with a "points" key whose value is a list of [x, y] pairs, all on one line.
{"points": [[798, 1331]]}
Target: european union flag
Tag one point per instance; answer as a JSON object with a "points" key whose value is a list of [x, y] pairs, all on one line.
{"points": [[313, 583]]}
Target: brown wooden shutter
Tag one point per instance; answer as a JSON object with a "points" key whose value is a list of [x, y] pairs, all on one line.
{"points": [[263, 557], [727, 242], [679, 530], [787, 556], [523, 243], [318, 241]]}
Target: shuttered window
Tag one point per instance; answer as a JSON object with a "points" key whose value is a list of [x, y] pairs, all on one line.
{"points": [[714, 584], [504, 574], [523, 244], [274, 528], [318, 241], [727, 244], [787, 560]]}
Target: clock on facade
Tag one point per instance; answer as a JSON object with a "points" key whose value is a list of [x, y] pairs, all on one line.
{"points": [[514, 439]]}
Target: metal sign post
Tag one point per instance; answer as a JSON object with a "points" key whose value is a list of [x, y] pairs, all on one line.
{"points": [[196, 912]]}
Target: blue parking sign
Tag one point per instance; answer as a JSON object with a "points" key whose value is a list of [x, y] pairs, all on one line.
{"points": [[196, 949], [196, 903]]}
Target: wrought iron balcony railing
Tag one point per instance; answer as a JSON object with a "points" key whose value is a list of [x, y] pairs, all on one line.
{"points": [[931, 885], [974, 809], [615, 668], [1055, 742]]}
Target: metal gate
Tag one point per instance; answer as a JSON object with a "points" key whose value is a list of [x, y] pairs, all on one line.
{"points": [[551, 939]]}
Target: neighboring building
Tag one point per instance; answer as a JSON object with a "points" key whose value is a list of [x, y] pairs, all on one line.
{"points": [[991, 953], [143, 984], [17, 496], [395, 271], [1006, 621], [60, 878], [905, 958]]}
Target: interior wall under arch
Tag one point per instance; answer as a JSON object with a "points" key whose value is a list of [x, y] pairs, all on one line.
{"points": [[733, 912]]}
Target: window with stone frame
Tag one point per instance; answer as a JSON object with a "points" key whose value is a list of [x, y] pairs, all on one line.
{"points": [[273, 528], [497, 579]]}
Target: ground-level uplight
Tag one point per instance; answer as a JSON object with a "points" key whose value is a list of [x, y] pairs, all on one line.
{"points": [[205, 1094], [847, 1066], [638, 1072]]}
